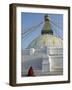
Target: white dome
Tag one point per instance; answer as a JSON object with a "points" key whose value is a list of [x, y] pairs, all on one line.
{"points": [[46, 40]]}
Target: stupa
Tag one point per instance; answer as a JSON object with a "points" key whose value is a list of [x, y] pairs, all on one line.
{"points": [[47, 49]]}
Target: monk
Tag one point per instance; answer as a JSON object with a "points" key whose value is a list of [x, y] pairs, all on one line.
{"points": [[30, 71]]}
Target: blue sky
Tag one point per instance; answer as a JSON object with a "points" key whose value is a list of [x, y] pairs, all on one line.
{"points": [[29, 20]]}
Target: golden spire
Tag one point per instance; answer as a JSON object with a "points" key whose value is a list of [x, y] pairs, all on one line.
{"points": [[47, 26]]}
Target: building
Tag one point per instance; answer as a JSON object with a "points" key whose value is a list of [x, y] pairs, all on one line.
{"points": [[44, 54]]}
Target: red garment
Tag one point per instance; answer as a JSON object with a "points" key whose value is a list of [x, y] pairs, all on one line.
{"points": [[30, 72]]}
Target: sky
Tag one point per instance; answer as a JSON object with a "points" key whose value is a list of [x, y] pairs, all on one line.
{"points": [[30, 20]]}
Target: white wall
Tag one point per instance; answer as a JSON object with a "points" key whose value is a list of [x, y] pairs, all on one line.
{"points": [[4, 45]]}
